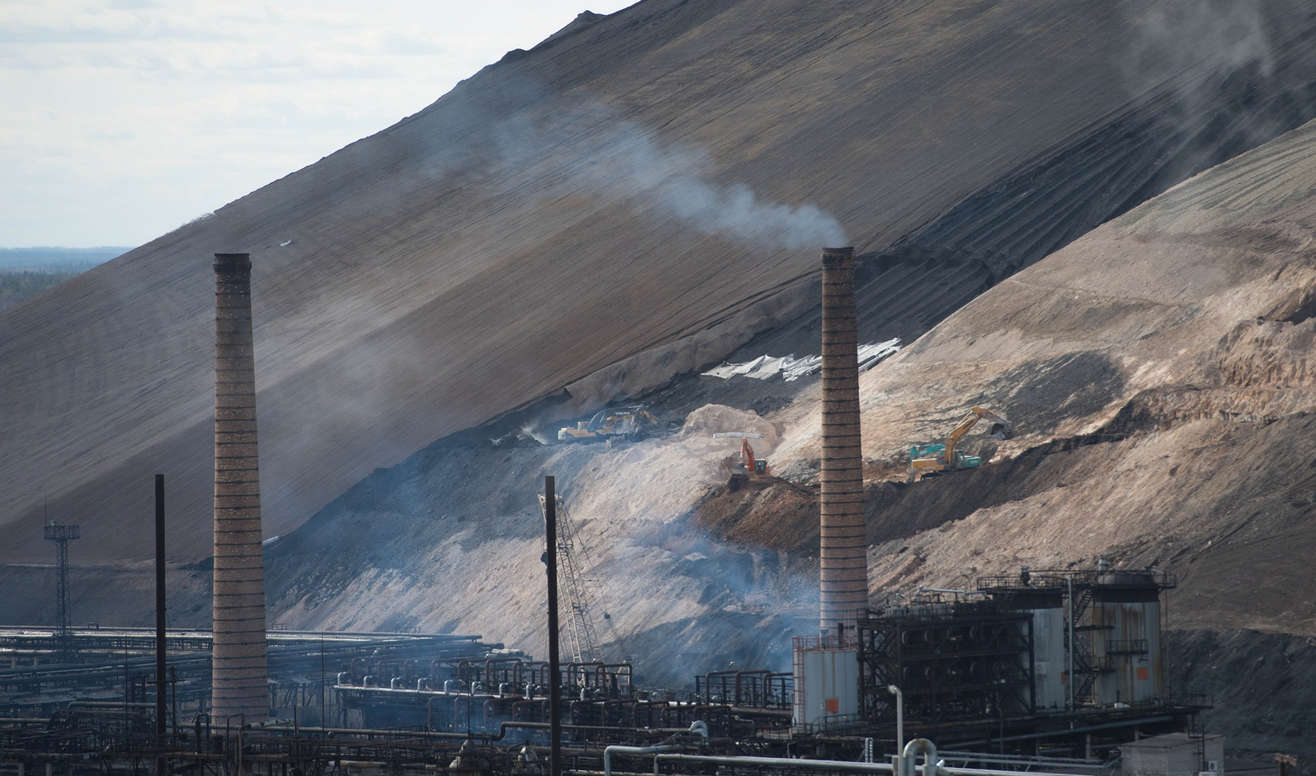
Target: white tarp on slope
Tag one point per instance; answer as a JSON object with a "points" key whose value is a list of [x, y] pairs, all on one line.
{"points": [[792, 368]]}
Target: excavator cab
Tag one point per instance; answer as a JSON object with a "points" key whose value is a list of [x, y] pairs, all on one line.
{"points": [[747, 466]]}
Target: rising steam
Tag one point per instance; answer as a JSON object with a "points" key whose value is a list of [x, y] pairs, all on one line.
{"points": [[594, 151]]}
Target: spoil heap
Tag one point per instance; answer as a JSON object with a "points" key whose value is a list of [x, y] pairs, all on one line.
{"points": [[1158, 376], [533, 230]]}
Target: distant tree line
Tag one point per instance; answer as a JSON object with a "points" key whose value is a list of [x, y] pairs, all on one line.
{"points": [[17, 286], [26, 272], [37, 259]]}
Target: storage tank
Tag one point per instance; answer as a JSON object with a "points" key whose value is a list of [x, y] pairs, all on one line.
{"points": [[1126, 638], [1047, 607], [826, 688]]}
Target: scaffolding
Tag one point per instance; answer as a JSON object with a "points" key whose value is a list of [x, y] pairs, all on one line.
{"points": [[972, 660]]}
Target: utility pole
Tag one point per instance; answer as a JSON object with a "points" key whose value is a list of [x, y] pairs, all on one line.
{"points": [[161, 643], [554, 671], [61, 535], [575, 573]]}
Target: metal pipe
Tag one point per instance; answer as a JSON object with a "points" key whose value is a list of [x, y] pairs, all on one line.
{"points": [[900, 716], [700, 727], [777, 762], [916, 747], [912, 749], [240, 668], [1070, 600], [554, 679], [608, 752], [503, 727], [843, 556], [1085, 729]]}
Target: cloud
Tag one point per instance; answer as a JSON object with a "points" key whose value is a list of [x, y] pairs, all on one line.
{"points": [[180, 107], [395, 43]]}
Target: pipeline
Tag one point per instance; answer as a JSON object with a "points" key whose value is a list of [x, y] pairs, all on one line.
{"points": [[786, 763], [608, 752], [912, 750]]}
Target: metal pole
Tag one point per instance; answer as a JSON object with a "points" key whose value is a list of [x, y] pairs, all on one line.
{"points": [[161, 764], [1070, 581], [554, 678]]}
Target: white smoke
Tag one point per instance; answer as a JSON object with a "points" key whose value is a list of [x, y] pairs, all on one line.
{"points": [[591, 150], [1168, 39]]}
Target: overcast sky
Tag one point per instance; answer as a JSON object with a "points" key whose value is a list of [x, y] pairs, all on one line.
{"points": [[123, 119]]}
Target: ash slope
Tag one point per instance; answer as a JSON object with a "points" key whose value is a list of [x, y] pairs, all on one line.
{"points": [[1158, 373], [501, 243], [1159, 377]]}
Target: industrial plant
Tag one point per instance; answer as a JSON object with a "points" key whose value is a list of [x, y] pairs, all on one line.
{"points": [[1049, 669], [718, 388]]}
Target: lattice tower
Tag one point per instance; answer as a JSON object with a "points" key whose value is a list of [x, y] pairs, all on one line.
{"points": [[61, 535]]}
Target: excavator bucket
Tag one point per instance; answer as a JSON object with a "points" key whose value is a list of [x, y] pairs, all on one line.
{"points": [[1002, 431]]}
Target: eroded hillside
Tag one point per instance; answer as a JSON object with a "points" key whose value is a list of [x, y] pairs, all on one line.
{"points": [[1158, 377], [636, 197]]}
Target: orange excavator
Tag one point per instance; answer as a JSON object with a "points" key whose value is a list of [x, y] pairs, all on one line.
{"points": [[748, 466], [932, 459]]}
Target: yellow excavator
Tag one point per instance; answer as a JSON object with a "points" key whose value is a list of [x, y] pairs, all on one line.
{"points": [[932, 459], [631, 422]]}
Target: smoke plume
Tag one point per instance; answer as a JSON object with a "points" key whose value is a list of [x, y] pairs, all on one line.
{"points": [[594, 151]]}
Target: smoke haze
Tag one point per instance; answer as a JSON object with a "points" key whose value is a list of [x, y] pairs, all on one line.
{"points": [[625, 161], [1212, 35]]}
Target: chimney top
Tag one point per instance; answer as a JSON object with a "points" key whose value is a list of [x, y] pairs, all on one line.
{"points": [[232, 262]]}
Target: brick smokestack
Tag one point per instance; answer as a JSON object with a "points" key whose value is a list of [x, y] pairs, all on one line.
{"points": [[844, 557], [240, 674]]}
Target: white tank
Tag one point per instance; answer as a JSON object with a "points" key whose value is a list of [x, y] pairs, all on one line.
{"points": [[826, 685], [1126, 639]]}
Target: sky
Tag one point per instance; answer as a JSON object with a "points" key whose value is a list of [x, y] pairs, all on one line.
{"points": [[124, 119]]}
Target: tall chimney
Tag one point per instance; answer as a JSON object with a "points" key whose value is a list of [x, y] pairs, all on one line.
{"points": [[240, 674], [844, 557]]}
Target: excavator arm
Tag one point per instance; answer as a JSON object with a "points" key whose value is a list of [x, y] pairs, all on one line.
{"points": [[932, 459], [1001, 429], [747, 457]]}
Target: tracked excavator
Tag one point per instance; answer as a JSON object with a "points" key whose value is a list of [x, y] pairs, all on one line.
{"points": [[933, 459], [748, 466], [631, 422]]}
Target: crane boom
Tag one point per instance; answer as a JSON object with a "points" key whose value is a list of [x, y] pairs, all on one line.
{"points": [[573, 569]]}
